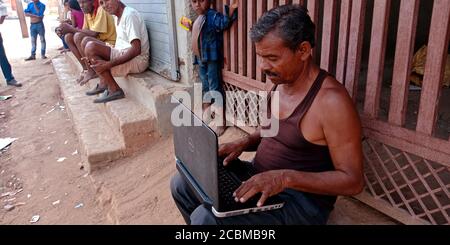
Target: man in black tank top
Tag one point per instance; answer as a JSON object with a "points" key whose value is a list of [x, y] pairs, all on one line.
{"points": [[316, 154]]}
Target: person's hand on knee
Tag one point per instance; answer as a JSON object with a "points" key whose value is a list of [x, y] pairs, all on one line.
{"points": [[100, 66]]}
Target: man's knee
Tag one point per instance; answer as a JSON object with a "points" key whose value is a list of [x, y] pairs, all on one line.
{"points": [[91, 48], [177, 186], [203, 216], [78, 37], [85, 41], [69, 38]]}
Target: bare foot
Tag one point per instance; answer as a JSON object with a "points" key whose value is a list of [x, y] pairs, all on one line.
{"points": [[63, 51], [89, 75], [81, 77]]}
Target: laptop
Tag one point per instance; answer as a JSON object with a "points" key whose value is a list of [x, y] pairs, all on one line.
{"points": [[196, 152]]}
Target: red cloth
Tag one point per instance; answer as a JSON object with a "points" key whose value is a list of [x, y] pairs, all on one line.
{"points": [[96, 5]]}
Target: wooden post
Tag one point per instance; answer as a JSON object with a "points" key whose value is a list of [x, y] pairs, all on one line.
{"points": [[23, 22], [61, 13], [13, 5], [376, 58], [406, 36], [355, 44]]}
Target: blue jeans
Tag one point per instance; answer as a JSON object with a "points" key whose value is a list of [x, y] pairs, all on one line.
{"points": [[6, 67], [35, 30], [298, 209], [211, 77], [64, 42]]}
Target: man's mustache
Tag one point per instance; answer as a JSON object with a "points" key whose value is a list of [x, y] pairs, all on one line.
{"points": [[271, 74]]}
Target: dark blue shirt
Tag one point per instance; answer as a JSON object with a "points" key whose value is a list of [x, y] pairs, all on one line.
{"points": [[31, 10], [212, 34]]}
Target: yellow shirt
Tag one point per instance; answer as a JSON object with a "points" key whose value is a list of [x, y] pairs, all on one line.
{"points": [[103, 23]]}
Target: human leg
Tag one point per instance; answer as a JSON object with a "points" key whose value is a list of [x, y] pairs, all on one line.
{"points": [[90, 73], [214, 78], [70, 40], [100, 52], [33, 35], [298, 209], [65, 46], [6, 67], [41, 32], [206, 102], [184, 197]]}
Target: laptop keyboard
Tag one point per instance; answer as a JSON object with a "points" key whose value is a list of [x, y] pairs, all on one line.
{"points": [[227, 185]]}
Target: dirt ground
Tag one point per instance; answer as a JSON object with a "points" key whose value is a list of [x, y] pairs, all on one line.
{"points": [[37, 117], [42, 170]]}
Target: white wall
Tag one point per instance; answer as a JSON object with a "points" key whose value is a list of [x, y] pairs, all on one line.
{"points": [[188, 76]]}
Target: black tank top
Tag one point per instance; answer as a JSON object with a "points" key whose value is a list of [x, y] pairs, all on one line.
{"points": [[290, 150]]}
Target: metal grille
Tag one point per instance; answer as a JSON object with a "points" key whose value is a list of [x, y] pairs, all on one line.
{"points": [[242, 105], [407, 182]]}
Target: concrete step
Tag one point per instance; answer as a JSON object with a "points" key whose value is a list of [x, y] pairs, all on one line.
{"points": [[154, 92], [135, 123], [99, 143], [148, 89], [109, 131]]}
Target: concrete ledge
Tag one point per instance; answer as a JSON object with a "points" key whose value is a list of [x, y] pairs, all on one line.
{"points": [[148, 89], [153, 92], [99, 143], [111, 131], [134, 122]]}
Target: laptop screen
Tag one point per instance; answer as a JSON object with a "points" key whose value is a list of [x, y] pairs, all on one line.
{"points": [[196, 149]]}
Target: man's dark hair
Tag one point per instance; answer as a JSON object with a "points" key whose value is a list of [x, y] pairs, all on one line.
{"points": [[291, 22], [73, 4]]}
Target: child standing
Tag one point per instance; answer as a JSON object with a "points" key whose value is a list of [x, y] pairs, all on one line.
{"points": [[207, 41], [35, 10]]}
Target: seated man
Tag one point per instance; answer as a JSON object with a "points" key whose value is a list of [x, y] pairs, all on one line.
{"points": [[130, 54], [316, 154], [97, 25]]}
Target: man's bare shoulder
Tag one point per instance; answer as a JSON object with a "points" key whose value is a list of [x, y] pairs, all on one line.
{"points": [[334, 99], [332, 92]]}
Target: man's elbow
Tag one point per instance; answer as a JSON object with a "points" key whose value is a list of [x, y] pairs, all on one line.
{"points": [[136, 51], [356, 187]]}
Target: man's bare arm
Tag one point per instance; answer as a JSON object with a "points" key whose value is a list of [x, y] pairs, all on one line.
{"points": [[342, 131], [66, 28], [234, 6], [101, 66], [233, 150], [87, 32], [33, 15], [131, 52]]}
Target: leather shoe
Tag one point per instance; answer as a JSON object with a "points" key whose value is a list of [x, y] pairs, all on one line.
{"points": [[14, 83], [96, 90]]}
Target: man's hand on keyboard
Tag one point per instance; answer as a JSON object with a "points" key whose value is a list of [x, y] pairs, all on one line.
{"points": [[268, 184], [231, 151]]}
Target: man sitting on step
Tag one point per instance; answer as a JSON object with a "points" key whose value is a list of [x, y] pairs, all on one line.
{"points": [[130, 54], [97, 25]]}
